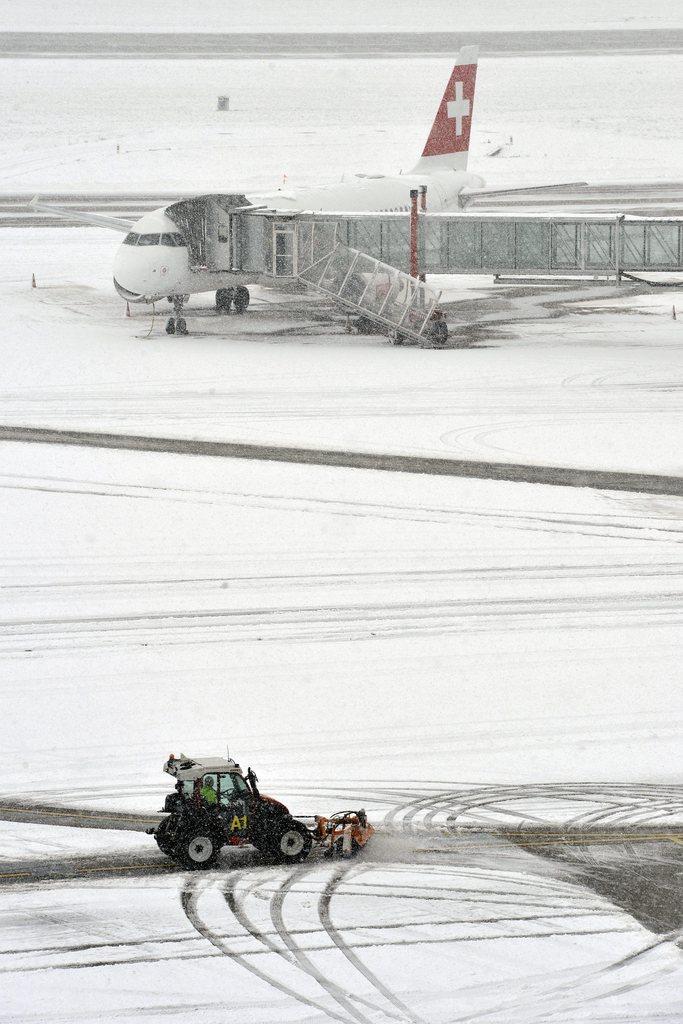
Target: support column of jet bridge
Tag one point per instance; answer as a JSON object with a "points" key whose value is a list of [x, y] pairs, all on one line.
{"points": [[423, 210], [414, 270]]}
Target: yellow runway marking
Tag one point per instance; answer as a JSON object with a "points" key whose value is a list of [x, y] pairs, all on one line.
{"points": [[91, 871], [582, 840]]}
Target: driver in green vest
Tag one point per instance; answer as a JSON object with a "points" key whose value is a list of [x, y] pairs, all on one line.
{"points": [[208, 790]]}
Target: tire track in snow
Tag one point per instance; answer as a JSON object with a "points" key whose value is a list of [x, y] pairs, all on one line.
{"points": [[342, 997], [572, 994], [189, 898], [341, 874], [236, 903], [338, 622], [644, 526]]}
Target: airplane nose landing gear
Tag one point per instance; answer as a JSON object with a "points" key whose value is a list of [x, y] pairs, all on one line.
{"points": [[176, 324]]}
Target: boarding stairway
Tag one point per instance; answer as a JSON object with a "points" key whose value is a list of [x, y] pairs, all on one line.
{"points": [[396, 303]]}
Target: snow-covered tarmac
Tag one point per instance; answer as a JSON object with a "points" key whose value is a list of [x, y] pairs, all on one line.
{"points": [[420, 645]]}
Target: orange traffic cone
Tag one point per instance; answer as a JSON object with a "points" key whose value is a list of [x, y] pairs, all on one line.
{"points": [[33, 281], [127, 310]]}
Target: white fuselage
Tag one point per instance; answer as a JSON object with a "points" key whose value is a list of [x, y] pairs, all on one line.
{"points": [[370, 193], [158, 264]]}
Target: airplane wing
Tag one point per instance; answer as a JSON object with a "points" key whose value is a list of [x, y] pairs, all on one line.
{"points": [[114, 223], [653, 198]]}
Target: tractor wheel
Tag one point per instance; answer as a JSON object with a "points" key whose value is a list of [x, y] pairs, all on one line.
{"points": [[290, 843], [197, 848], [241, 300], [163, 840]]}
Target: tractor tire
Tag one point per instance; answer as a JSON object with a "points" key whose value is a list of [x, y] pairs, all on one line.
{"points": [[241, 299], [290, 843], [163, 840], [197, 848]]}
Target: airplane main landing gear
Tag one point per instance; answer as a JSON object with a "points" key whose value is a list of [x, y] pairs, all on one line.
{"points": [[224, 298], [241, 300], [176, 324], [237, 297]]}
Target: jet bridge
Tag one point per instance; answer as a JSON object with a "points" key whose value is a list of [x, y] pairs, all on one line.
{"points": [[359, 260], [495, 244], [218, 238], [225, 232]]}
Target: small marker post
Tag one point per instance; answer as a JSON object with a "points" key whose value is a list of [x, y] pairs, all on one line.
{"points": [[33, 281], [673, 312], [128, 310]]}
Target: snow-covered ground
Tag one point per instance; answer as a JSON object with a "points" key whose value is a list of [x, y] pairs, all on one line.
{"points": [[357, 636], [331, 16], [478, 631], [599, 388], [312, 120], [493, 938]]}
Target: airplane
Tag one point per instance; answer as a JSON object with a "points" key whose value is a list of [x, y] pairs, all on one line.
{"points": [[153, 260]]}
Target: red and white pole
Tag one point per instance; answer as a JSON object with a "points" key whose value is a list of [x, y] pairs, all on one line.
{"points": [[413, 232], [423, 209]]}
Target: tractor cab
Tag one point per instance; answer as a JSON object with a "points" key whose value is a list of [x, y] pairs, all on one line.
{"points": [[216, 782]]}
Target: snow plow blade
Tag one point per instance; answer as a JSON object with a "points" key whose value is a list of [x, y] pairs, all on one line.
{"points": [[343, 834]]}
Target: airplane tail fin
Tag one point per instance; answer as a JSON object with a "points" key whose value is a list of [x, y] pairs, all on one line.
{"points": [[448, 143]]}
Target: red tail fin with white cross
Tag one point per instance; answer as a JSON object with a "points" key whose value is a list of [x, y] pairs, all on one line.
{"points": [[448, 143]]}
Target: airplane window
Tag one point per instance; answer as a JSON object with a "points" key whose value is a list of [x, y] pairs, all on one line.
{"points": [[131, 238], [148, 240], [168, 240], [179, 240]]}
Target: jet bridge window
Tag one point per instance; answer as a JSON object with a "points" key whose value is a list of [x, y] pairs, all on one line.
{"points": [[148, 240], [131, 238]]}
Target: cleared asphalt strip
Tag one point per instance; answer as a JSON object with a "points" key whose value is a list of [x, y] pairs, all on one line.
{"points": [[76, 817], [559, 476]]}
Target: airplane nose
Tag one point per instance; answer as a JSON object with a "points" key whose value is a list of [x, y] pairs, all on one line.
{"points": [[130, 273], [126, 294]]}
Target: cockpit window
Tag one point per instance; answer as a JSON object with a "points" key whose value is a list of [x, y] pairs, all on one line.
{"points": [[173, 239], [148, 240], [169, 240], [131, 238]]}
